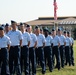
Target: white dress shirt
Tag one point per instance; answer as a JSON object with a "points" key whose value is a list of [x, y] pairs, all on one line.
{"points": [[72, 40], [48, 40], [68, 41], [33, 39], [15, 37], [4, 41], [62, 39], [26, 38], [55, 41], [40, 40]]}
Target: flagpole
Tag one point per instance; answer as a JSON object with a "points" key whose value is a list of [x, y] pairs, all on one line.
{"points": [[55, 12]]}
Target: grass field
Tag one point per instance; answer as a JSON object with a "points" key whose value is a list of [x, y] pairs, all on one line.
{"points": [[66, 71]]}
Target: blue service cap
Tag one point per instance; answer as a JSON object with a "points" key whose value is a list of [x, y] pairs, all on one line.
{"points": [[36, 27], [65, 31], [27, 25], [53, 29], [59, 29], [2, 25], [68, 32], [45, 29], [6, 24], [12, 21], [1, 28], [21, 24], [49, 33]]}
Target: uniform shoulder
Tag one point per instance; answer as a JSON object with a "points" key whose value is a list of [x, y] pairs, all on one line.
{"points": [[5, 36], [18, 31], [33, 34], [50, 36], [41, 35], [57, 36], [62, 35], [10, 31], [27, 33]]}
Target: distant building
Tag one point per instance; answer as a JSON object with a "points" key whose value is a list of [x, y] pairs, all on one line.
{"points": [[66, 22]]}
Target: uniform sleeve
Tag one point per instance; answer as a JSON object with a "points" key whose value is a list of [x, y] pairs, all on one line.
{"points": [[9, 34], [29, 38], [8, 41], [51, 39], [43, 40], [58, 40], [35, 38], [70, 41], [64, 39], [20, 36]]}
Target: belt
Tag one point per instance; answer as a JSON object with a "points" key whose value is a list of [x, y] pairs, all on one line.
{"points": [[15, 46], [55, 46], [40, 47], [66, 46], [61, 45], [31, 47], [47, 46], [24, 46]]}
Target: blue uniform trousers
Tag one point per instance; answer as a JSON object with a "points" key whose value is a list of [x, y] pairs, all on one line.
{"points": [[72, 56], [62, 55], [48, 57], [32, 60], [4, 67], [25, 59], [68, 55], [56, 52], [14, 60], [40, 56]]}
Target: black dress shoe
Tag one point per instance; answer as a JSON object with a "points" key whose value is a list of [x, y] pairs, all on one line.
{"points": [[51, 70], [65, 63], [62, 66], [43, 72], [59, 69], [73, 64]]}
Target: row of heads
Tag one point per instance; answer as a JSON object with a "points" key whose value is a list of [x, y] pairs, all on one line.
{"points": [[36, 27], [53, 29], [4, 25]]}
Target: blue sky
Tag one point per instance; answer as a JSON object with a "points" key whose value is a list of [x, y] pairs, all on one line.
{"points": [[26, 10]]}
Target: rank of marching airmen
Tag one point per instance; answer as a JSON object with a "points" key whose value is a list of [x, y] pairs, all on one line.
{"points": [[24, 49]]}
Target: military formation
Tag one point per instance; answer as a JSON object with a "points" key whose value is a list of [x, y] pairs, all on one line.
{"points": [[25, 49]]}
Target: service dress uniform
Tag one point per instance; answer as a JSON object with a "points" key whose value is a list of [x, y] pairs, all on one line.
{"points": [[25, 53], [68, 51], [7, 25], [62, 49], [14, 53], [56, 51], [72, 51], [4, 68], [32, 54], [40, 51], [48, 52]]}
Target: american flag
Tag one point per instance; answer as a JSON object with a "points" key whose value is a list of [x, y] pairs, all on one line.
{"points": [[55, 10]]}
